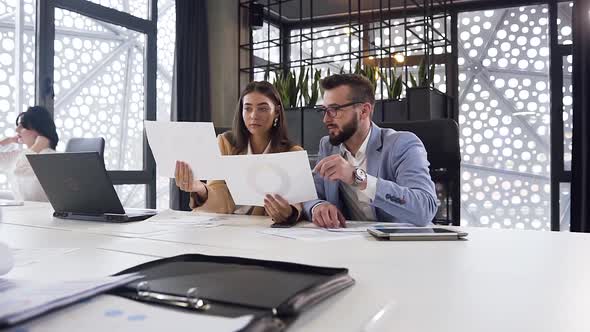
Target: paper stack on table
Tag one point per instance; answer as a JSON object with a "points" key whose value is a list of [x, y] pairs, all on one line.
{"points": [[6, 259], [309, 234], [17, 257], [164, 222], [28, 256], [21, 299], [113, 314], [183, 218]]}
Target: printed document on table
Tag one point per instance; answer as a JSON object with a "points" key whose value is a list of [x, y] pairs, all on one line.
{"points": [[183, 218], [23, 299], [136, 229], [6, 259], [192, 142], [251, 177], [309, 234], [164, 222], [353, 226], [117, 314], [29, 256], [11, 257]]}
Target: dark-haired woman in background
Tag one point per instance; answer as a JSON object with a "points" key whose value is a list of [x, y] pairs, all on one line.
{"points": [[36, 130], [259, 127]]}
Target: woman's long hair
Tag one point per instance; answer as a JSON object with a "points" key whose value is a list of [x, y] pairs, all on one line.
{"points": [[39, 119], [239, 136]]}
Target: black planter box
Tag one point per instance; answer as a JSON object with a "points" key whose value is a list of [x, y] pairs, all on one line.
{"points": [[313, 130], [294, 120], [391, 110], [305, 127], [378, 111], [426, 104]]}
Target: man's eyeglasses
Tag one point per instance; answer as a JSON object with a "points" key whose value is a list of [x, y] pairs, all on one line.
{"points": [[332, 110]]}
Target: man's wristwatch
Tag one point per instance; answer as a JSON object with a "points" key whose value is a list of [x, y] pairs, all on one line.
{"points": [[358, 176]]}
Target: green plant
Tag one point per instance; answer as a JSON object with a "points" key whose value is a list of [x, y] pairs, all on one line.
{"points": [[423, 79], [393, 83], [328, 74], [369, 71], [413, 81], [286, 85], [295, 89], [315, 87], [266, 74], [302, 86]]}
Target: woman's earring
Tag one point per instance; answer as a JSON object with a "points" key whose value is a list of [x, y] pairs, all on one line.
{"points": [[275, 122]]}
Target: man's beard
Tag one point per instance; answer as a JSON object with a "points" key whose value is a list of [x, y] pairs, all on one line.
{"points": [[347, 131]]}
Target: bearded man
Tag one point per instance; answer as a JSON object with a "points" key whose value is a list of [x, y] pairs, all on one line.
{"points": [[364, 172]]}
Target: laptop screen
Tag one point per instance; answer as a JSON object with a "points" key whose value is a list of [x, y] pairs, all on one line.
{"points": [[76, 182]]}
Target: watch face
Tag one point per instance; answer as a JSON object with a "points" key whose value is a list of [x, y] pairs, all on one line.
{"points": [[360, 175]]}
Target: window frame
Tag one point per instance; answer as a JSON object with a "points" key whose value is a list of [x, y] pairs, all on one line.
{"points": [[44, 67]]}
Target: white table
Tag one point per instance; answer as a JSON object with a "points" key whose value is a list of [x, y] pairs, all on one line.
{"points": [[498, 280]]}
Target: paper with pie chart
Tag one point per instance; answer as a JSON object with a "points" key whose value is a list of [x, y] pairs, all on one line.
{"points": [[253, 176]]}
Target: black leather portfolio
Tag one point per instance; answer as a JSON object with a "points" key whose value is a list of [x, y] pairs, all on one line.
{"points": [[275, 293]]}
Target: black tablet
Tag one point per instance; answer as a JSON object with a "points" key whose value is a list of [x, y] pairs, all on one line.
{"points": [[416, 234]]}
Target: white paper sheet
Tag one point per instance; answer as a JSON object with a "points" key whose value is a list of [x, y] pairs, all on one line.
{"points": [[183, 218], [16, 257], [353, 226], [191, 142], [23, 299], [358, 226], [351, 229], [309, 234], [6, 259], [112, 313], [28, 256], [135, 229], [164, 222], [287, 174]]}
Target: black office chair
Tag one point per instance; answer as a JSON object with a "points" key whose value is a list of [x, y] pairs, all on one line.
{"points": [[441, 140], [91, 144]]}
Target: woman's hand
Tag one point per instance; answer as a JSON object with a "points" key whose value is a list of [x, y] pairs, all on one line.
{"points": [[41, 143], [9, 140], [183, 175], [278, 208]]}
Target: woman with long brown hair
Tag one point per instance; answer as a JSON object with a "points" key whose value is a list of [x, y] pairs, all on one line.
{"points": [[258, 127]]}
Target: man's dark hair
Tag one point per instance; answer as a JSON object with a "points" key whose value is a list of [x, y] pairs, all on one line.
{"points": [[361, 88]]}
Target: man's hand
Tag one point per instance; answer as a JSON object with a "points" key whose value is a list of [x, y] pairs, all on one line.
{"points": [[335, 168], [327, 215]]}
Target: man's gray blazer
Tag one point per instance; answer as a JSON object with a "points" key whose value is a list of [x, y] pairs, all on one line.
{"points": [[405, 191]]}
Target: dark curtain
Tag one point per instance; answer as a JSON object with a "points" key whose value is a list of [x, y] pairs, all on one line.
{"points": [[191, 75], [580, 187]]}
